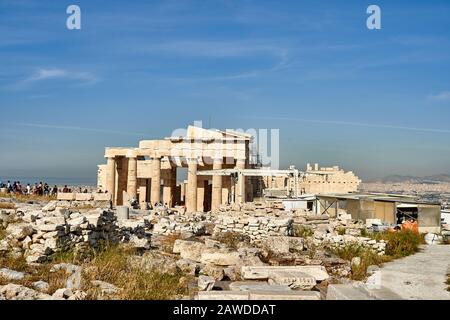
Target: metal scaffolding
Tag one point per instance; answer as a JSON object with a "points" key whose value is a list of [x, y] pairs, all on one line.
{"points": [[238, 174]]}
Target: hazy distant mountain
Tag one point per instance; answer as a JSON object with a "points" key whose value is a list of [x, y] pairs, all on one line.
{"points": [[440, 177], [427, 179]]}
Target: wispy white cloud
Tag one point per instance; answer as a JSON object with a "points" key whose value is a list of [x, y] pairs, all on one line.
{"points": [[77, 78], [44, 74], [442, 96], [55, 73]]}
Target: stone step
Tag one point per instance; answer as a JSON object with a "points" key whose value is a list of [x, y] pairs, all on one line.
{"points": [[258, 295], [346, 292], [257, 286], [292, 295], [223, 295], [294, 279], [353, 292], [319, 273]]}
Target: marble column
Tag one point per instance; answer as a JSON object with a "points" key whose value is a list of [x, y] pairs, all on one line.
{"points": [[240, 187], [216, 186], [183, 192], [191, 190], [173, 186], [170, 184], [200, 193], [111, 177], [143, 193], [226, 190], [156, 181], [132, 178]]}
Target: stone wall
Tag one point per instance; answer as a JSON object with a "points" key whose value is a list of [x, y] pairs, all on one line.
{"points": [[257, 221], [80, 200], [256, 228], [196, 224], [336, 232], [38, 234]]}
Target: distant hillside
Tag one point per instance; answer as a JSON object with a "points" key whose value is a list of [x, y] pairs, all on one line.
{"points": [[428, 179]]}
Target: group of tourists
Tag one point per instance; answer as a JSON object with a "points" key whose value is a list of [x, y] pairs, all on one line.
{"points": [[38, 189]]}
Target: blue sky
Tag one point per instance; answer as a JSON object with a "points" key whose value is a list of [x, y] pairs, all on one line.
{"points": [[374, 101]]}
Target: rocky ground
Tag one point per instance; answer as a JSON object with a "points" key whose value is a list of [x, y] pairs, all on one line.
{"points": [[58, 250]]}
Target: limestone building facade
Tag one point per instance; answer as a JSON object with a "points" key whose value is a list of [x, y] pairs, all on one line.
{"points": [[317, 180], [148, 173], [322, 180]]}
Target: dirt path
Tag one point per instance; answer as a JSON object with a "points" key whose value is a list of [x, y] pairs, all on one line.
{"points": [[420, 276]]}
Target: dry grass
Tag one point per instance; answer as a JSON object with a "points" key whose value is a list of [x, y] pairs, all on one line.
{"points": [[399, 244], [56, 280], [302, 231], [14, 263], [26, 198], [341, 231], [232, 240], [448, 282], [368, 257], [168, 242], [110, 264], [84, 207], [7, 205], [2, 232]]}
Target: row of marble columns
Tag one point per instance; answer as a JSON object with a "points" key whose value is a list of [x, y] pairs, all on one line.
{"points": [[132, 180], [192, 182], [170, 183], [217, 185]]}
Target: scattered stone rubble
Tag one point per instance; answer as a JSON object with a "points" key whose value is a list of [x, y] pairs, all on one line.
{"points": [[278, 262], [336, 232], [175, 222], [17, 292], [38, 234]]}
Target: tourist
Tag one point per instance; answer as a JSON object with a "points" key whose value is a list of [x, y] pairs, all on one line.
{"points": [[65, 189], [134, 203], [28, 189], [55, 191], [46, 190]]}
